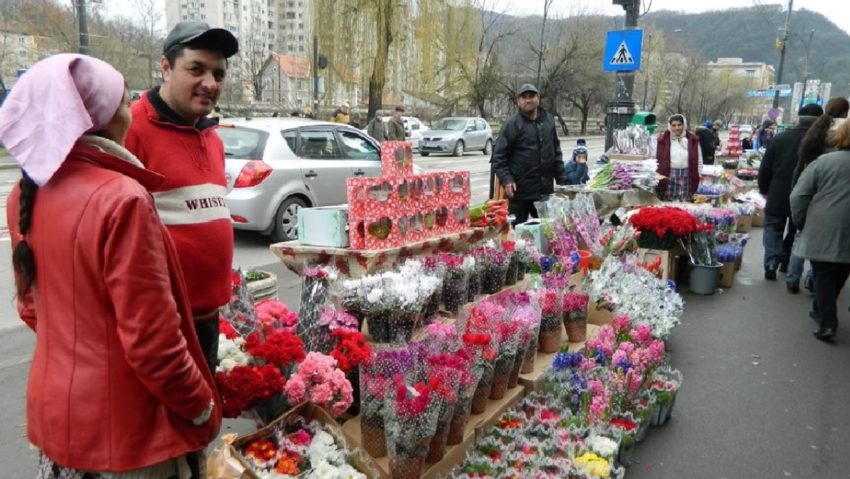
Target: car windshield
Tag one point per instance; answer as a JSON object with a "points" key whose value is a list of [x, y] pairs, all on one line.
{"points": [[454, 124]]}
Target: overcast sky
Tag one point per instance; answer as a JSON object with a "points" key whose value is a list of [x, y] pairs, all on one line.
{"points": [[838, 11]]}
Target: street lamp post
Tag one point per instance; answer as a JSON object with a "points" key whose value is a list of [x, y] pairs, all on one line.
{"points": [[621, 109], [82, 22]]}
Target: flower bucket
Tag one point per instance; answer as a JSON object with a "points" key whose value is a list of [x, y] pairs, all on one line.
{"points": [[550, 341], [648, 239], [703, 278]]}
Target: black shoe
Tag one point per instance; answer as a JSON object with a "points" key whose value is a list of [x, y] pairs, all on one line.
{"points": [[793, 288], [824, 334], [783, 267], [770, 274]]}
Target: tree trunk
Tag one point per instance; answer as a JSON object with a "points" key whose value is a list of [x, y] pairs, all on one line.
{"points": [[384, 22], [584, 110]]}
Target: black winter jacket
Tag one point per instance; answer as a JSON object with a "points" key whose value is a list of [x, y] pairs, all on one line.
{"points": [[776, 173], [528, 153]]}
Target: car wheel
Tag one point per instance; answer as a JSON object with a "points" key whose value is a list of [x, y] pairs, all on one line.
{"points": [[286, 220], [424, 153], [488, 147], [458, 148]]}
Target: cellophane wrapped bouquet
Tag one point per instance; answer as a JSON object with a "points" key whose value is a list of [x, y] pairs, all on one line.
{"points": [[377, 382], [315, 296], [456, 280]]}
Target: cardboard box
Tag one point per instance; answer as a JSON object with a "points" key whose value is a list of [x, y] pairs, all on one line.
{"points": [[745, 223], [324, 226], [669, 259], [532, 231], [598, 316], [360, 460], [727, 275], [758, 217]]}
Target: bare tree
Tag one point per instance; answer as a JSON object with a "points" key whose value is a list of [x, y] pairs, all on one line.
{"points": [[150, 15], [385, 32]]}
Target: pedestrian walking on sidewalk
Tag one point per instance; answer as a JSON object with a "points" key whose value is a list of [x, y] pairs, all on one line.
{"points": [[376, 128], [708, 142], [775, 178], [679, 156], [172, 136], [819, 205], [395, 127], [118, 385], [527, 156], [817, 141]]}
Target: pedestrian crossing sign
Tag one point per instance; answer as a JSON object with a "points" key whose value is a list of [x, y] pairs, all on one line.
{"points": [[622, 50]]}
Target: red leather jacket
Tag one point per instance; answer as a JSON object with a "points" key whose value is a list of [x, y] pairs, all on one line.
{"points": [[117, 373]]}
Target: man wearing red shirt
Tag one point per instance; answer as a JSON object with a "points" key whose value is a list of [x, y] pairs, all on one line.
{"points": [[172, 135]]}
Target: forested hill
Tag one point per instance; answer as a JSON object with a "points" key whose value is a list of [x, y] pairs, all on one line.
{"points": [[751, 33]]}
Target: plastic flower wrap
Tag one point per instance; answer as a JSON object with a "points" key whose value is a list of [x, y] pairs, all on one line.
{"points": [[377, 377], [512, 274], [528, 317], [626, 288], [507, 333], [550, 302], [411, 421], [239, 312], [319, 381], [442, 338], [273, 315], [315, 296], [730, 252], [617, 241], [476, 272], [456, 281], [436, 271], [480, 347], [300, 447], [494, 268], [448, 371], [701, 248]]}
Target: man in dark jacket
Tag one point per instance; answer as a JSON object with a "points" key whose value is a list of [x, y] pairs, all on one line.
{"points": [[707, 142], [527, 156], [776, 175]]}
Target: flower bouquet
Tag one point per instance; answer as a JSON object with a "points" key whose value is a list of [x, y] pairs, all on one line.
{"points": [[450, 370], [350, 351], [297, 447], [476, 272], [467, 384], [494, 263], [528, 318], [512, 273], [252, 371], [456, 281], [662, 227], [625, 426], [550, 320], [575, 315], [240, 312], [479, 347], [411, 420], [376, 382], [272, 315], [508, 337], [435, 270], [315, 295], [318, 380], [620, 240], [664, 385]]}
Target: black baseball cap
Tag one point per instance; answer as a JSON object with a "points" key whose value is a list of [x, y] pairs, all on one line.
{"points": [[526, 88], [199, 34]]}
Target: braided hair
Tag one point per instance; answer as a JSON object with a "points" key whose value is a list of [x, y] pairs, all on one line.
{"points": [[23, 259]]}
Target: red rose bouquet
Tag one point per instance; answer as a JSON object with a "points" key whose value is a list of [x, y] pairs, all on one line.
{"points": [[661, 227]]}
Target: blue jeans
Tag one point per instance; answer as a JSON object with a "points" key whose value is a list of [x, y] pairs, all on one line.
{"points": [[777, 243], [795, 266]]}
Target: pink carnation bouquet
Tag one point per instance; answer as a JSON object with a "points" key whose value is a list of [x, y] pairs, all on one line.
{"points": [[319, 381]]}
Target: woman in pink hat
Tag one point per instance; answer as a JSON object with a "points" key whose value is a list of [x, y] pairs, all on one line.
{"points": [[118, 386]]}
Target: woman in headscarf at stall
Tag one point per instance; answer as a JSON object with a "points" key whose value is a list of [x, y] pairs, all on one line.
{"points": [[118, 386], [679, 158]]}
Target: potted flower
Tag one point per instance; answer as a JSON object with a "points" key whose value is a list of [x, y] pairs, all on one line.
{"points": [[468, 383], [512, 273], [449, 369], [550, 320], [411, 415], [376, 382], [479, 347], [575, 315], [664, 386], [508, 334], [456, 281]]}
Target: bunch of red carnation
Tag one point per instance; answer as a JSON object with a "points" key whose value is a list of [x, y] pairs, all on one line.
{"points": [[243, 387], [667, 219], [281, 348], [351, 349]]}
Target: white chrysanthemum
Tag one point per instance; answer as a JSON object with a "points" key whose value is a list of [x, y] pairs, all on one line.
{"points": [[602, 445], [469, 263], [375, 295]]}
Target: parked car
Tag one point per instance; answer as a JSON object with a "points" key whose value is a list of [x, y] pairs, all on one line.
{"points": [[457, 135], [276, 166]]}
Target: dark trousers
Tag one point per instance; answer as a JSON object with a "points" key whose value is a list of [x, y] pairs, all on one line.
{"points": [[521, 209], [829, 279], [207, 331]]}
